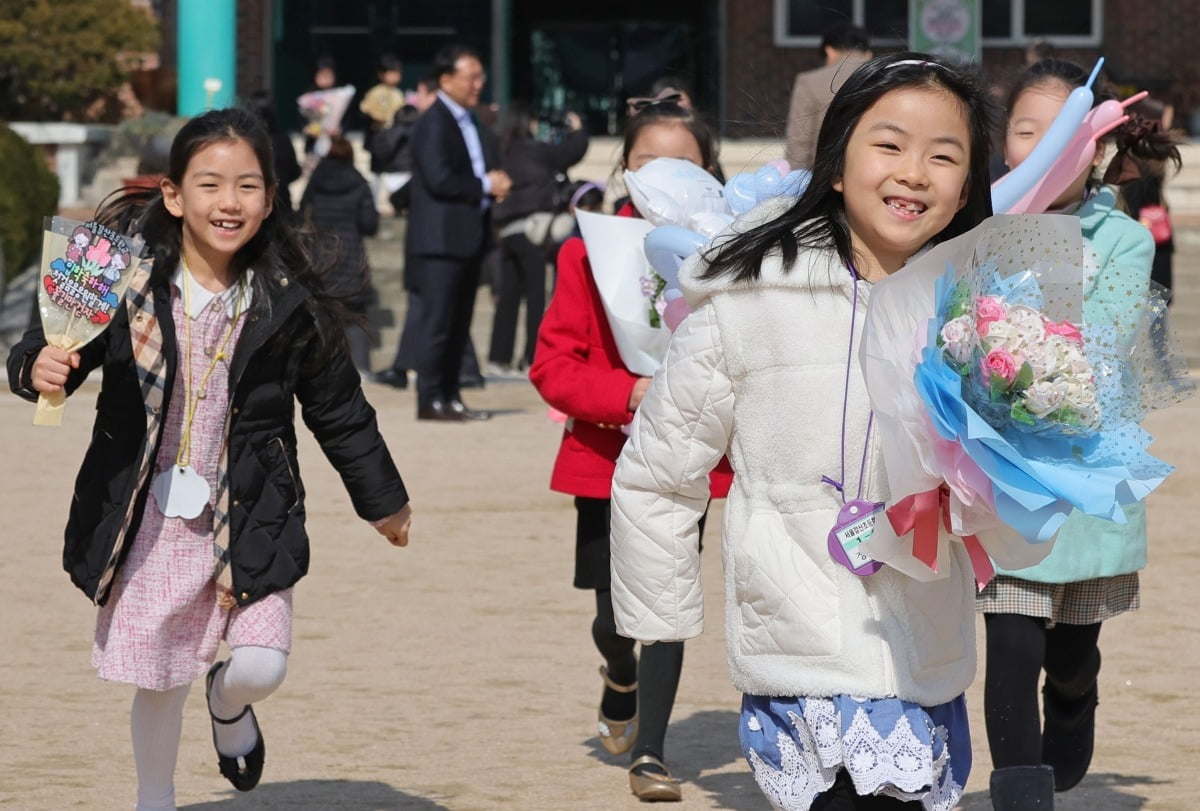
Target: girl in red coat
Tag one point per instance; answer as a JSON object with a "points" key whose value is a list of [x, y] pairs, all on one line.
{"points": [[577, 370]]}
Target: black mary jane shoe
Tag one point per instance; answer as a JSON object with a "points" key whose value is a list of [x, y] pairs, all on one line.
{"points": [[243, 772]]}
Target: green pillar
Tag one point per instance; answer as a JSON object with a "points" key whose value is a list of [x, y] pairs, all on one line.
{"points": [[207, 55]]}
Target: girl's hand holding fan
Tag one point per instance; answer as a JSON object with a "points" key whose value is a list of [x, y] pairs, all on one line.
{"points": [[85, 270]]}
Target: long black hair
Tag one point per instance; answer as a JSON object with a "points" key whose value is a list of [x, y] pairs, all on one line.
{"points": [[818, 218], [277, 246]]}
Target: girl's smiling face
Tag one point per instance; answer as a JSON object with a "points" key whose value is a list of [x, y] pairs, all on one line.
{"points": [[222, 200], [1032, 114], [905, 175]]}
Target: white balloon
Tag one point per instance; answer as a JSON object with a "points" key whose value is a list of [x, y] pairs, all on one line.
{"points": [[672, 191]]}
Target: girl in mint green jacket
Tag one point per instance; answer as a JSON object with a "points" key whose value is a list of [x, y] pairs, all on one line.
{"points": [[1048, 617]]}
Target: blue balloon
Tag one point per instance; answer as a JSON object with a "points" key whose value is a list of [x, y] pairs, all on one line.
{"points": [[746, 190], [1008, 190], [667, 246], [740, 193], [794, 183]]}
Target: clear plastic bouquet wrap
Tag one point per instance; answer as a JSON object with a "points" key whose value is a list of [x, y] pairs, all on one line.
{"points": [[323, 111], [1008, 379]]}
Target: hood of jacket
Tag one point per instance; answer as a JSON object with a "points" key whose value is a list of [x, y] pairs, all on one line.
{"points": [[335, 177], [812, 270]]}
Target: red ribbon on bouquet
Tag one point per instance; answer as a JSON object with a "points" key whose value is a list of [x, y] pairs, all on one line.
{"points": [[919, 514]]}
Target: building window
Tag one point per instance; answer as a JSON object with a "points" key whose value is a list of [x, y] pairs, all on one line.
{"points": [[800, 23]]}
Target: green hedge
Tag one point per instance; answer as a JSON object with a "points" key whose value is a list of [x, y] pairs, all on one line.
{"points": [[28, 193]]}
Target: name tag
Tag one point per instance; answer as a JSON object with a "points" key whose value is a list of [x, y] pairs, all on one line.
{"points": [[855, 524]]}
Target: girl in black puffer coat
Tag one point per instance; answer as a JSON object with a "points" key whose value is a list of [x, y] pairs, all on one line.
{"points": [[339, 205]]}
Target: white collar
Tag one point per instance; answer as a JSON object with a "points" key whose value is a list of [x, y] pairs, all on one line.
{"points": [[199, 297], [457, 110]]}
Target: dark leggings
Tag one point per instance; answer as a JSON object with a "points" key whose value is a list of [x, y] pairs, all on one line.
{"points": [[842, 797], [1018, 649], [656, 671]]}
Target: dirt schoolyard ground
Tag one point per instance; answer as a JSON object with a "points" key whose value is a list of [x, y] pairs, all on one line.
{"points": [[459, 673]]}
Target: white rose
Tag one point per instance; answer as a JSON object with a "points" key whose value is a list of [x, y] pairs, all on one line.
{"points": [[1042, 398], [1078, 393], [1028, 323], [958, 337], [1043, 359], [1001, 335]]}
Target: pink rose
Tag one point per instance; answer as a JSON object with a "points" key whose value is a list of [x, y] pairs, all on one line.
{"points": [[1002, 364], [988, 309], [1066, 329]]}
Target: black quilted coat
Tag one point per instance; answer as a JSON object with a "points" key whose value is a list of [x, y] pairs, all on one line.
{"points": [[268, 545]]}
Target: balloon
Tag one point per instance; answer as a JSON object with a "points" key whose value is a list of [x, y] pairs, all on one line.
{"points": [[676, 310], [670, 191], [667, 246], [1013, 186], [744, 191], [1076, 157], [740, 193]]}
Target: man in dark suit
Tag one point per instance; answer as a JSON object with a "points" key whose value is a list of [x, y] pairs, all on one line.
{"points": [[449, 228]]}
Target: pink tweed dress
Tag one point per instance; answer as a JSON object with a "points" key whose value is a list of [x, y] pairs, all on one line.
{"points": [[161, 626]]}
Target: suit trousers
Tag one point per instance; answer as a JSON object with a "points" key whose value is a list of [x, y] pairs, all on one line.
{"points": [[446, 286]]}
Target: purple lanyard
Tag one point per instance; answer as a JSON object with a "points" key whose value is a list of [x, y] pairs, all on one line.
{"points": [[840, 485]]}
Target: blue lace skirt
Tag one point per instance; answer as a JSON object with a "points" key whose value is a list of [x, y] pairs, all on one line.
{"points": [[796, 747]]}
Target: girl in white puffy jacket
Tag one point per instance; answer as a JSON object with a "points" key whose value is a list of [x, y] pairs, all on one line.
{"points": [[853, 684]]}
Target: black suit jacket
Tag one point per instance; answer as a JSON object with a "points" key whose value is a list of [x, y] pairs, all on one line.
{"points": [[445, 217]]}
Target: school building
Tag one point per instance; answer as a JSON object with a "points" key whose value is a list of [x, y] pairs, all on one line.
{"points": [[589, 55]]}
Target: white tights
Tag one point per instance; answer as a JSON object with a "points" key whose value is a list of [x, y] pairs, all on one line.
{"points": [[156, 720]]}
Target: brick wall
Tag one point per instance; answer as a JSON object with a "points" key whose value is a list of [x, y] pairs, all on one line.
{"points": [[1150, 46], [758, 75], [253, 25]]}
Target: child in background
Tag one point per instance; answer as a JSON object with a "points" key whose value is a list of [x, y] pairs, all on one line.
{"points": [[384, 100], [578, 371], [339, 204], [391, 150], [324, 78], [1047, 617], [853, 686], [381, 104], [187, 522]]}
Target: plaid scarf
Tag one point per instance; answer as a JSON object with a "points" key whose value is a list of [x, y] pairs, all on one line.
{"points": [[151, 366]]}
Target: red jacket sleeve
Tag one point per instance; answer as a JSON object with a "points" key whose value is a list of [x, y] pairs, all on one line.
{"points": [[576, 367]]}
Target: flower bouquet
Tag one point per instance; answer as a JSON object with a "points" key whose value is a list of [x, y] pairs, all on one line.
{"points": [[1008, 378], [323, 111], [627, 286]]}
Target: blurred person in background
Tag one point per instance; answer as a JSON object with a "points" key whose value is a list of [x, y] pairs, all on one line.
{"points": [[339, 205], [844, 47], [524, 221]]}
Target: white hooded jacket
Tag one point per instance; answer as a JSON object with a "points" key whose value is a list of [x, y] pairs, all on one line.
{"points": [[758, 371]]}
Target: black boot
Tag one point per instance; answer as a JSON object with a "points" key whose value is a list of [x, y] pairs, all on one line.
{"points": [[1069, 734], [1023, 788]]}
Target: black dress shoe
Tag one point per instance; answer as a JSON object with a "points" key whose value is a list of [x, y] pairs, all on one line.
{"points": [[439, 411], [389, 377], [457, 407], [243, 772]]}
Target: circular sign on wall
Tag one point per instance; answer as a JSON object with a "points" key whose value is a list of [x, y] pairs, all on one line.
{"points": [[945, 20]]}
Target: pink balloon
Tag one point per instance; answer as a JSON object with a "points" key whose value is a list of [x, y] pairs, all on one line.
{"points": [[676, 310], [1076, 157]]}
